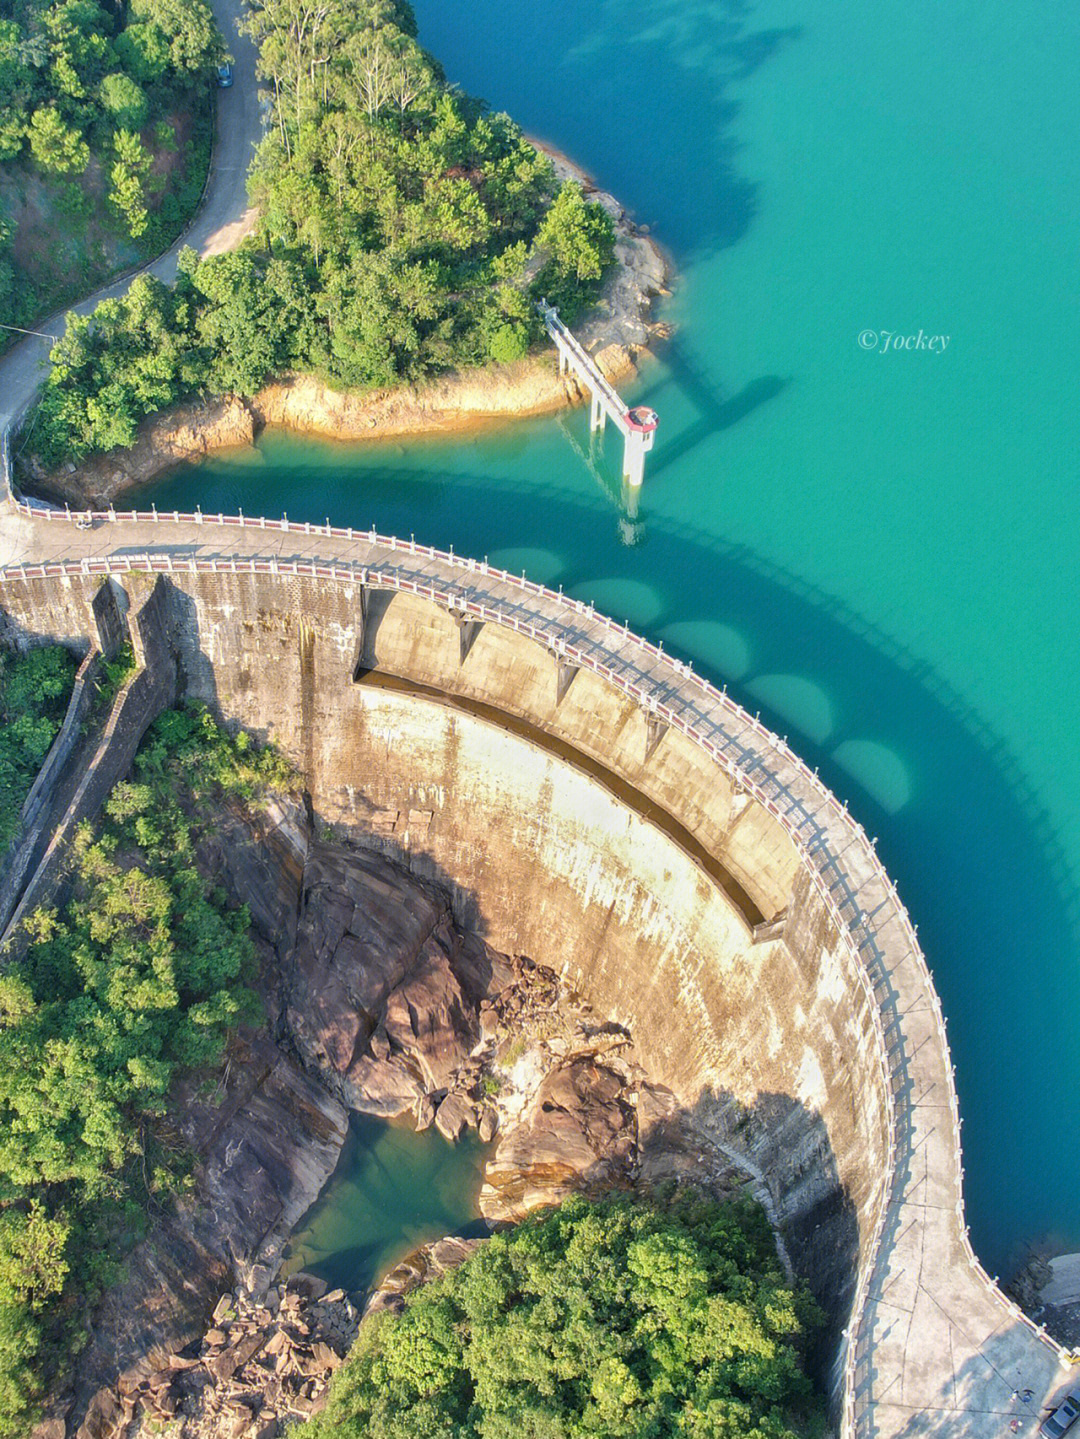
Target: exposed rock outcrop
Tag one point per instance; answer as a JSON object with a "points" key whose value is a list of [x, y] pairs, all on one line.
{"points": [[376, 1002], [266, 1140], [258, 1369], [382, 991], [176, 436], [578, 1134], [428, 1262]]}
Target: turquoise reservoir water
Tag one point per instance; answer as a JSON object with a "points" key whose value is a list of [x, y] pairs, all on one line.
{"points": [[392, 1191], [878, 549]]}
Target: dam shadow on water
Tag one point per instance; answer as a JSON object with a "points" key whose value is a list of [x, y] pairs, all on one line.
{"points": [[960, 829]]}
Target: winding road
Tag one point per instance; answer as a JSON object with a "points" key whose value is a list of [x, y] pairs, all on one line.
{"points": [[222, 220]]}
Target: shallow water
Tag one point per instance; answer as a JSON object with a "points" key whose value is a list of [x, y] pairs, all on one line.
{"points": [[392, 1191], [877, 549]]}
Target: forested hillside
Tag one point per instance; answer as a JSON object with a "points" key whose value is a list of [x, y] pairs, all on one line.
{"points": [[139, 976], [34, 691], [404, 229], [105, 128], [615, 1319]]}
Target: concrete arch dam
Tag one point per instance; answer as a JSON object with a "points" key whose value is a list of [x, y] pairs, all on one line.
{"points": [[588, 800]]}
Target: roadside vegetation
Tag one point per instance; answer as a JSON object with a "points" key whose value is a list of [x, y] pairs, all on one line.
{"points": [[141, 975], [106, 123], [611, 1318], [34, 691], [404, 229]]}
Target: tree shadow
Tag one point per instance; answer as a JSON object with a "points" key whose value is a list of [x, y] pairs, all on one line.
{"points": [[642, 96]]}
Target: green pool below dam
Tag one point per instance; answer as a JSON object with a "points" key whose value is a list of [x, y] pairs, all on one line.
{"points": [[875, 547], [393, 1190]]}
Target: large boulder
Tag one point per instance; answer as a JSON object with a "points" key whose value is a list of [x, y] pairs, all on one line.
{"points": [[428, 1262], [578, 1134], [382, 990]]}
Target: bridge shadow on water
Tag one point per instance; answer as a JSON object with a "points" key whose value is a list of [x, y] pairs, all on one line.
{"points": [[960, 828], [713, 412]]}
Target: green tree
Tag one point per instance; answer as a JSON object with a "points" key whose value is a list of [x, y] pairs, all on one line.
{"points": [[58, 148], [127, 193], [182, 30], [33, 1247], [579, 239], [125, 101], [400, 225], [33, 695], [610, 1318], [240, 327]]}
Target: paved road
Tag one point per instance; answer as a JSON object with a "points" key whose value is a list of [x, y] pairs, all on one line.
{"points": [[223, 219]]}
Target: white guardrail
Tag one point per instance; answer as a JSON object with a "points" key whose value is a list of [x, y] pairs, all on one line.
{"points": [[806, 823]]}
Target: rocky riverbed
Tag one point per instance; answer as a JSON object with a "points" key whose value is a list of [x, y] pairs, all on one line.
{"points": [[377, 1002]]}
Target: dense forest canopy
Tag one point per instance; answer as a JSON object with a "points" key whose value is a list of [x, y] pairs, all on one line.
{"points": [[614, 1319], [403, 229], [88, 93], [34, 690], [140, 975]]}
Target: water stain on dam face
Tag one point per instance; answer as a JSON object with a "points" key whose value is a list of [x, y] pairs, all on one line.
{"points": [[972, 849], [623, 792]]}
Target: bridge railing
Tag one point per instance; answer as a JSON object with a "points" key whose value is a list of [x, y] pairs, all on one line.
{"points": [[743, 748], [565, 338]]}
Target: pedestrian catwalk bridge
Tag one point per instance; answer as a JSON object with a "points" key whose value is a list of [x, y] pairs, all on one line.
{"points": [[929, 1343], [637, 426]]}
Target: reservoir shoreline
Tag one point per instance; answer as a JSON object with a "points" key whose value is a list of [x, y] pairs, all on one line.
{"points": [[617, 332]]}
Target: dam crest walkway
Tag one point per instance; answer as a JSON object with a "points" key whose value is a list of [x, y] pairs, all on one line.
{"points": [[933, 1346]]}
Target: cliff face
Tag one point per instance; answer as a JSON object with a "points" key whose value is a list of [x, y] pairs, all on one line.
{"points": [[382, 990], [188, 432], [377, 1001]]}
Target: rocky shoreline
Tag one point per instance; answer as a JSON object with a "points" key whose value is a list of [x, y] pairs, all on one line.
{"points": [[617, 333], [377, 1002]]}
